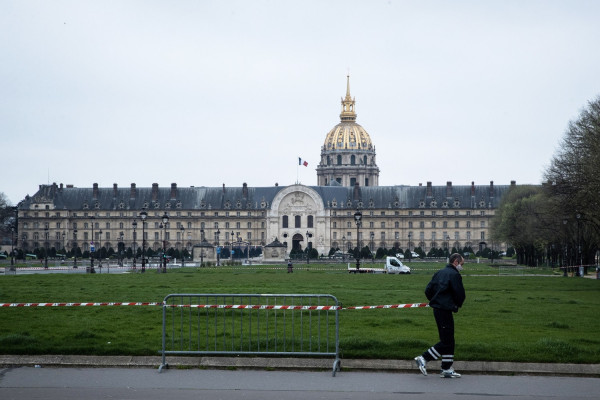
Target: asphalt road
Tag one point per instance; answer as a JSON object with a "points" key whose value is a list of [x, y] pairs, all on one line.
{"points": [[173, 384]]}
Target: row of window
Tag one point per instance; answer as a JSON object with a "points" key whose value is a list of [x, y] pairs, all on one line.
{"points": [[382, 236], [411, 224]]}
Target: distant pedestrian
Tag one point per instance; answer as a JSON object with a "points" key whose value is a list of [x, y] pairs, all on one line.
{"points": [[446, 295], [290, 267]]}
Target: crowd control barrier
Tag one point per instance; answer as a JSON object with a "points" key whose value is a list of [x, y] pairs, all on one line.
{"points": [[251, 324]]}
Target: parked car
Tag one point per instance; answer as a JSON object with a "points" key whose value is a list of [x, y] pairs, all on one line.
{"points": [[400, 255]]}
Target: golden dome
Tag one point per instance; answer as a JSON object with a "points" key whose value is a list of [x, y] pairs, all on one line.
{"points": [[348, 135]]}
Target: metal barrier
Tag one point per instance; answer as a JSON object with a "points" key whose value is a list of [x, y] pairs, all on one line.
{"points": [[251, 324]]}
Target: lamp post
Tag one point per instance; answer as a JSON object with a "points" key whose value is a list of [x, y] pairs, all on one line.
{"points": [[201, 247], [307, 247], [134, 224], [182, 245], [122, 246], [165, 220], [357, 219], [74, 248], [218, 250], [99, 252], [343, 248], [231, 245], [46, 246], [143, 216], [409, 243], [12, 248], [579, 269], [372, 247], [92, 271], [565, 252]]}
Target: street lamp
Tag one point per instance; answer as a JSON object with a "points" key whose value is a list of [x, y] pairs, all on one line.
{"points": [[343, 247], [92, 271], [565, 253], [165, 220], [579, 269], [143, 216], [46, 246], [218, 250], [372, 246], [409, 243], [231, 245], [75, 248], [122, 249], [134, 224], [12, 248], [201, 247], [357, 219], [182, 245], [307, 248], [98, 252]]}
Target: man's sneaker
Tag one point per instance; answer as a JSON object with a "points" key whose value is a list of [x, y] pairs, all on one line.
{"points": [[421, 363], [449, 373]]}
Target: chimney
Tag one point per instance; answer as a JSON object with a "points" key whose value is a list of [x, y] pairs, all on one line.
{"points": [[492, 188], [429, 190], [173, 191], [448, 189], [356, 191], [115, 190], [154, 191], [513, 183], [245, 190], [95, 191], [61, 186], [223, 188], [132, 193], [420, 184], [472, 188]]}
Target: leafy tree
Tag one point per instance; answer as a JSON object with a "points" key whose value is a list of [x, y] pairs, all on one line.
{"points": [[574, 184]]}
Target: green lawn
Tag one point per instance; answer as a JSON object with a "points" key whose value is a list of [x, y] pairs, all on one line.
{"points": [[527, 315]]}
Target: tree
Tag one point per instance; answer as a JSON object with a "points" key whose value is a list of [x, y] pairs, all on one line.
{"points": [[524, 219], [574, 182]]}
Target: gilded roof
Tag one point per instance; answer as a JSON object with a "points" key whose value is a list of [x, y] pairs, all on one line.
{"points": [[348, 135]]}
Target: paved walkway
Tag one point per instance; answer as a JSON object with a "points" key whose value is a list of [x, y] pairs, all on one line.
{"points": [[265, 363]]}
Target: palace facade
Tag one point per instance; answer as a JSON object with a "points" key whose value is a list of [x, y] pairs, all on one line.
{"points": [[297, 216]]}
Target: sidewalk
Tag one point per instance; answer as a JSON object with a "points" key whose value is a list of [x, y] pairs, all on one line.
{"points": [[472, 367]]}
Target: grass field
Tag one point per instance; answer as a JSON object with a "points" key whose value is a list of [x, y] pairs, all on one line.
{"points": [[511, 314]]}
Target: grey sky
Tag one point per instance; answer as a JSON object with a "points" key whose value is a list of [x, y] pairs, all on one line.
{"points": [[203, 93]]}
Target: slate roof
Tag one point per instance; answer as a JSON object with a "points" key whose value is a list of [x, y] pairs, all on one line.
{"points": [[256, 198]]}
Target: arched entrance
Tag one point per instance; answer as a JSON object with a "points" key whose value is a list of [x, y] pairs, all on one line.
{"points": [[296, 241]]}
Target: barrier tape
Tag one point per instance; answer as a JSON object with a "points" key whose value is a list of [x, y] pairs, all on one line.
{"points": [[220, 306], [76, 304]]}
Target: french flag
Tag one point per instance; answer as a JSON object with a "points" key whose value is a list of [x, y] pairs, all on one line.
{"points": [[300, 162]]}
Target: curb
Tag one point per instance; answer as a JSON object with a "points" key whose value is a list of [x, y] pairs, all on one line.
{"points": [[404, 366]]}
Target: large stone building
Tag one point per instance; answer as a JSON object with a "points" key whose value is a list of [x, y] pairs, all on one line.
{"points": [[297, 216]]}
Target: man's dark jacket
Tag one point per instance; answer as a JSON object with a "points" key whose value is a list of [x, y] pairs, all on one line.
{"points": [[445, 290]]}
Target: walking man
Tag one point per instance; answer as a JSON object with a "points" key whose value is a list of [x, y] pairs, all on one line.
{"points": [[446, 295]]}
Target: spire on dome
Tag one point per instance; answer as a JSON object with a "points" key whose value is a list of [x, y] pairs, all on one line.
{"points": [[348, 113]]}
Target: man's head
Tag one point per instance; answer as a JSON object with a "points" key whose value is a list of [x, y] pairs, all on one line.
{"points": [[456, 259]]}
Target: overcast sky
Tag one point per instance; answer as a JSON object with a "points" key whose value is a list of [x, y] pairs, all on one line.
{"points": [[205, 93]]}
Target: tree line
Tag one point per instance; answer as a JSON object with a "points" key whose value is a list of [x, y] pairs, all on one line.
{"points": [[558, 222]]}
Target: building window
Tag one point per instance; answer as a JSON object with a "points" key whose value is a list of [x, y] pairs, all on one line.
{"points": [[353, 160], [334, 224], [422, 225], [284, 222], [468, 224], [383, 225], [396, 224], [339, 160], [456, 224], [410, 225], [371, 224], [482, 224], [297, 220], [309, 221], [482, 236], [433, 224], [352, 182]]}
